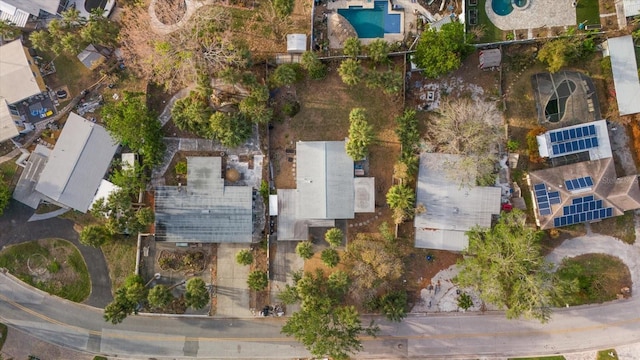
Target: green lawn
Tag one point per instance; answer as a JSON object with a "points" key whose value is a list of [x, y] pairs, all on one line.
{"points": [[606, 355], [3, 334], [71, 72], [491, 32], [8, 169], [59, 267], [599, 278], [621, 227], [120, 254], [588, 10]]}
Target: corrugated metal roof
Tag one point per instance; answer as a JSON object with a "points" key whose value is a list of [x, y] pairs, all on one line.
{"points": [[631, 7], [77, 163], [8, 128], [625, 74], [204, 210], [17, 81], [449, 207], [90, 57], [324, 180], [17, 16], [33, 7]]}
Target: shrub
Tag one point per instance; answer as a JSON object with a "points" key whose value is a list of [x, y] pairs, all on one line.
{"points": [[305, 249], [394, 305], [257, 280], [465, 301], [53, 267], [291, 108], [181, 168], [244, 257], [513, 145], [330, 257], [532, 144], [334, 237]]}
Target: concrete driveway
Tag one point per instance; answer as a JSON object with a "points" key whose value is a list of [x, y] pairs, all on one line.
{"points": [[16, 230], [231, 284]]}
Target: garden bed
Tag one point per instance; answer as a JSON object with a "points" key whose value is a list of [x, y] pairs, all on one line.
{"points": [[52, 265]]}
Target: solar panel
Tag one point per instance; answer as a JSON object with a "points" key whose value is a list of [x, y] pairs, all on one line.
{"points": [[553, 137], [592, 129], [579, 132], [545, 211], [539, 186], [589, 180], [578, 183], [582, 209]]}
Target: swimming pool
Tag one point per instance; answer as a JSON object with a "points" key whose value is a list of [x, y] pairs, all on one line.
{"points": [[505, 7], [372, 23]]}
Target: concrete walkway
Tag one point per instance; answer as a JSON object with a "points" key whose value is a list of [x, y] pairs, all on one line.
{"points": [[49, 215], [231, 285], [9, 156]]}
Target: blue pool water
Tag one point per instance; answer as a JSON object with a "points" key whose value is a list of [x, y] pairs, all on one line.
{"points": [[501, 7], [505, 7], [372, 23]]}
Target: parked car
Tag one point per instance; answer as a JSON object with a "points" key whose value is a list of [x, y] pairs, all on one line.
{"points": [[61, 94]]}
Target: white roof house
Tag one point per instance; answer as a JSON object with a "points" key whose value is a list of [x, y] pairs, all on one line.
{"points": [[324, 180], [8, 128], [450, 209], [631, 7], [326, 190], [17, 77], [205, 210], [18, 11], [592, 137], [625, 74], [77, 164]]}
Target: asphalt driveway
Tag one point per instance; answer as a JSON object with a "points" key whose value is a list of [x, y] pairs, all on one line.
{"points": [[15, 229]]}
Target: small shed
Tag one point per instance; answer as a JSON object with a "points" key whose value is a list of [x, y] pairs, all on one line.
{"points": [[273, 205], [296, 43], [490, 58], [91, 57]]}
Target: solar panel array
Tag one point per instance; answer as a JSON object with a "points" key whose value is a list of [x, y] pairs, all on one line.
{"points": [[573, 140], [583, 209], [579, 183], [543, 199]]}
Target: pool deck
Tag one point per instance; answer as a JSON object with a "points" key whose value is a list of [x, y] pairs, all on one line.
{"points": [[540, 13], [408, 17]]}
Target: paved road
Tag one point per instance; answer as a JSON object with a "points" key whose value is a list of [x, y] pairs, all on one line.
{"points": [[82, 327], [14, 229]]}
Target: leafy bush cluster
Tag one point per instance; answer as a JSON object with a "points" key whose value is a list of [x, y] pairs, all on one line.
{"points": [[409, 136]]}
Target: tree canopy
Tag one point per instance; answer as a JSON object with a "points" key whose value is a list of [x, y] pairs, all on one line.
{"points": [[350, 71], [558, 53], [304, 249], [401, 199], [196, 295], [373, 264], [94, 235], [159, 296], [334, 237], [472, 129], [360, 135], [504, 264], [72, 33], [131, 123], [441, 51], [127, 298], [205, 44], [323, 325]]}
